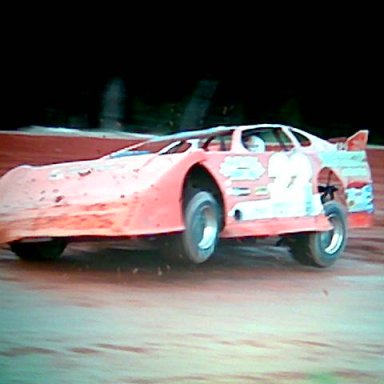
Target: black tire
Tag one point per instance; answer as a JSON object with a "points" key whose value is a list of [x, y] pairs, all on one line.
{"points": [[38, 251], [322, 249], [202, 226]]}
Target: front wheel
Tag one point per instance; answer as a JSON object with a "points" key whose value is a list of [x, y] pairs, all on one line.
{"points": [[322, 249], [202, 225], [35, 251]]}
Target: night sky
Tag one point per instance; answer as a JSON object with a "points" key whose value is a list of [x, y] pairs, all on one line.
{"points": [[334, 90]]}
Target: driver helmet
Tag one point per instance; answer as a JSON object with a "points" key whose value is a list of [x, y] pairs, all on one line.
{"points": [[255, 144]]}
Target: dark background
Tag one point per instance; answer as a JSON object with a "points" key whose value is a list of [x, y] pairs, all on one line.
{"points": [[326, 83]]}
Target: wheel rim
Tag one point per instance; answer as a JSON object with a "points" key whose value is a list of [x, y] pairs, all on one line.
{"points": [[205, 228], [333, 239]]}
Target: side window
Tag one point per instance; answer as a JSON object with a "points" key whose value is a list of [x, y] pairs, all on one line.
{"points": [[218, 143], [176, 147], [275, 140], [303, 140], [214, 145], [254, 143]]}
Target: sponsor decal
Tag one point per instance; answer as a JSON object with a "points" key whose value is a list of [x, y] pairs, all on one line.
{"points": [[269, 209], [262, 190], [353, 172], [242, 168], [238, 191], [352, 164], [289, 194], [360, 199]]}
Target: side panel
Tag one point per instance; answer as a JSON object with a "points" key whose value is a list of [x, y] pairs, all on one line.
{"points": [[269, 193], [353, 169], [121, 197]]}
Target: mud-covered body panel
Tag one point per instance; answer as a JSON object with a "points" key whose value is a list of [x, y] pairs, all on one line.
{"points": [[262, 194]]}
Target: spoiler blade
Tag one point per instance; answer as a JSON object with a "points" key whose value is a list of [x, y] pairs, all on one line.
{"points": [[358, 141]]}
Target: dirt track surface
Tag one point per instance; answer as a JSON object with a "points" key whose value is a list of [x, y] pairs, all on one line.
{"points": [[252, 315], [102, 314]]}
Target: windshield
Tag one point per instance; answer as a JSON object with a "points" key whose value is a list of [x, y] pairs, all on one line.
{"points": [[219, 142], [152, 147]]}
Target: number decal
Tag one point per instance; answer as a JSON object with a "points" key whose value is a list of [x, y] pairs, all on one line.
{"points": [[289, 191], [289, 172], [291, 188]]}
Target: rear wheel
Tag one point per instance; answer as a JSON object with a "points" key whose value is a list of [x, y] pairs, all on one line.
{"points": [[322, 249], [44, 250], [202, 225]]}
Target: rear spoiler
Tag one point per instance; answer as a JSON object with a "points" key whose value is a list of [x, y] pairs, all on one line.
{"points": [[356, 142]]}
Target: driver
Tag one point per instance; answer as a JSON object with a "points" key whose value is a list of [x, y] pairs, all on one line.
{"points": [[254, 144]]}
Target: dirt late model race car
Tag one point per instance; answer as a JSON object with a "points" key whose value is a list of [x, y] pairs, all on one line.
{"points": [[185, 191]]}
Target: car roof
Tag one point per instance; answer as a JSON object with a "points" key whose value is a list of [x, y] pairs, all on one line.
{"points": [[213, 131]]}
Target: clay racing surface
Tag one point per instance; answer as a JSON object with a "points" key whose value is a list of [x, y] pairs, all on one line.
{"points": [[102, 314]]}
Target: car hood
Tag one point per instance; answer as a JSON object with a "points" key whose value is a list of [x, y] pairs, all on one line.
{"points": [[82, 182]]}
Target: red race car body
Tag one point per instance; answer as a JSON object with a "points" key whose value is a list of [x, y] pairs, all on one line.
{"points": [[279, 187]]}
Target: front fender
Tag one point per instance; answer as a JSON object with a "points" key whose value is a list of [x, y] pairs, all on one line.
{"points": [[161, 207]]}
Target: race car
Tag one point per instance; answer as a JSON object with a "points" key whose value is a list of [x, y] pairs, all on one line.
{"points": [[185, 191]]}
